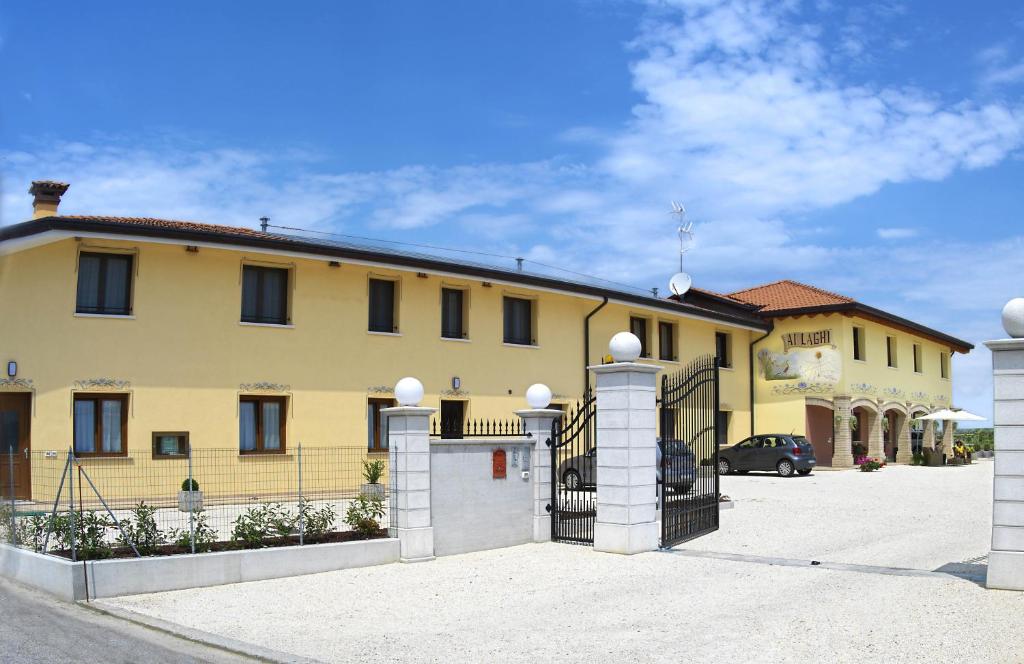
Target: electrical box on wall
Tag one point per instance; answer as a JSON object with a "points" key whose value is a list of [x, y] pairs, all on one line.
{"points": [[498, 470]]}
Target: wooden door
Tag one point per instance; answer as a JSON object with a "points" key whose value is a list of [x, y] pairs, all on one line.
{"points": [[15, 469]]}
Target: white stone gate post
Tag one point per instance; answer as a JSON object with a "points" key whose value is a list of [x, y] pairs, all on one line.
{"points": [[537, 423], [409, 457], [626, 451], [1006, 559]]}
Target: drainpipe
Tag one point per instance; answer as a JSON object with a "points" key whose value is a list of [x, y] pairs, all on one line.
{"points": [[586, 343], [750, 368]]}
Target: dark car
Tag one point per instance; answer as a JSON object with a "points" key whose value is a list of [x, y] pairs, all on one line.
{"points": [[676, 466], [783, 453]]}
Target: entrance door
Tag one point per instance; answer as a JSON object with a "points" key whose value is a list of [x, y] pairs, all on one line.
{"points": [[15, 472], [453, 416]]}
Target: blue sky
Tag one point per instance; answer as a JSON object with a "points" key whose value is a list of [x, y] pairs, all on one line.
{"points": [[870, 148]]}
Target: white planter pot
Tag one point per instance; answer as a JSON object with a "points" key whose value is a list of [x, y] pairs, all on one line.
{"points": [[372, 490], [193, 498]]}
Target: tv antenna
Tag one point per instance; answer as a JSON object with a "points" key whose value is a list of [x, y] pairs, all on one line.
{"points": [[681, 282]]}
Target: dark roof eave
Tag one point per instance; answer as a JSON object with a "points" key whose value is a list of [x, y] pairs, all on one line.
{"points": [[37, 226], [857, 307]]}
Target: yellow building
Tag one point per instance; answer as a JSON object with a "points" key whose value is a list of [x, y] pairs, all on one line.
{"points": [[133, 338], [849, 376]]}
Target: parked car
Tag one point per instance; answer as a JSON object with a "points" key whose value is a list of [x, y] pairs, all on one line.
{"points": [[785, 454], [675, 461], [677, 465]]}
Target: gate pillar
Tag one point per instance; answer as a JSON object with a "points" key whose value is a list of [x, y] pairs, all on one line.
{"points": [[1006, 558], [537, 424], [409, 456], [626, 457]]}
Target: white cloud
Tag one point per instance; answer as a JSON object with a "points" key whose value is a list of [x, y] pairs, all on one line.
{"points": [[896, 233]]}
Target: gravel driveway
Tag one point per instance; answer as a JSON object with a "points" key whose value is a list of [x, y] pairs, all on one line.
{"points": [[544, 602]]}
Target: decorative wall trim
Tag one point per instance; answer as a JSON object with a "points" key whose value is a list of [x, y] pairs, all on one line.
{"points": [[380, 389], [863, 388], [894, 393], [264, 387], [16, 384], [919, 396], [455, 393], [942, 398], [102, 384], [804, 387]]}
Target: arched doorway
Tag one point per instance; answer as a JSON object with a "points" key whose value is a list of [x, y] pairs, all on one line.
{"points": [[865, 429], [894, 424], [820, 428]]}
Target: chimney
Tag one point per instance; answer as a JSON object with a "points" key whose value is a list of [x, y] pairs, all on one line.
{"points": [[46, 197]]}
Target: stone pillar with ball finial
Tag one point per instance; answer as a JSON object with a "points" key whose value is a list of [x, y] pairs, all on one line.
{"points": [[537, 422], [627, 496], [1006, 557], [409, 456]]}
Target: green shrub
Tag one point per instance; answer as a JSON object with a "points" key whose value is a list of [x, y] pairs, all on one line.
{"points": [[205, 535], [364, 514], [316, 523], [90, 534], [190, 485], [260, 522], [140, 529], [373, 470], [32, 530], [918, 459]]}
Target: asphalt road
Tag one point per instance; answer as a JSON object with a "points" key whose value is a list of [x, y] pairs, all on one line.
{"points": [[36, 628]]}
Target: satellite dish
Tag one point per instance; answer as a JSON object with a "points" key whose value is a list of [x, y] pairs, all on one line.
{"points": [[680, 283]]}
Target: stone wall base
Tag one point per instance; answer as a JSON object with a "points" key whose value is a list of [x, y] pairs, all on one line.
{"points": [[1005, 570], [618, 538]]}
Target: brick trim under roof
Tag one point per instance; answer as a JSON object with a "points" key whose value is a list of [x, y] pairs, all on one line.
{"points": [[791, 298]]}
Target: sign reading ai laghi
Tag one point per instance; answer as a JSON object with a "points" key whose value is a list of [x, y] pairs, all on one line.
{"points": [[806, 339], [813, 358]]}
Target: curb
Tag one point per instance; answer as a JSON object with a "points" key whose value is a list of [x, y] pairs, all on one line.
{"points": [[227, 644]]}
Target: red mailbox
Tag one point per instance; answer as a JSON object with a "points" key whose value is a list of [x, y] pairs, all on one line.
{"points": [[498, 464]]}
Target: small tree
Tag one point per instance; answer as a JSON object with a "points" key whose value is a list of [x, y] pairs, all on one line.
{"points": [[364, 514]]}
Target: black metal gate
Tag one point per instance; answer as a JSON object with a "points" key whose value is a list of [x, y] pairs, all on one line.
{"points": [[574, 474], [689, 452]]}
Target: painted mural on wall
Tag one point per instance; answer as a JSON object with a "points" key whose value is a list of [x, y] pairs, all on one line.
{"points": [[809, 357]]}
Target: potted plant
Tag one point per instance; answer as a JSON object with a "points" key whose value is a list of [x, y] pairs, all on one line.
{"points": [[372, 472], [190, 497], [932, 457]]}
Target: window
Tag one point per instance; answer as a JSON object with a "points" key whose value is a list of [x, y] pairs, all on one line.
{"points": [[858, 343], [100, 424], [723, 349], [519, 321], [722, 419], [638, 326], [382, 306], [890, 351], [453, 415], [453, 324], [917, 358], [264, 295], [104, 284], [377, 424], [170, 444], [261, 425], [667, 341], [944, 365]]}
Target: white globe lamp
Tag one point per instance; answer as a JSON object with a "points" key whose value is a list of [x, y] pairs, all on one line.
{"points": [[538, 396], [625, 347], [1013, 317], [409, 391]]}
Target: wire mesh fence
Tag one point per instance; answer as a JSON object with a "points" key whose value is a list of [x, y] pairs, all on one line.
{"points": [[207, 499]]}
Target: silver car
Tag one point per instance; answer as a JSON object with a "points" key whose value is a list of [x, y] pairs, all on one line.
{"points": [[677, 463]]}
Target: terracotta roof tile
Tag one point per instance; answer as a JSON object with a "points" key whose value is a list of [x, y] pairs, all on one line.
{"points": [[787, 294], [168, 223]]}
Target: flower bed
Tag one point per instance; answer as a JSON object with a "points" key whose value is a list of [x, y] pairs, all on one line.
{"points": [[869, 464]]}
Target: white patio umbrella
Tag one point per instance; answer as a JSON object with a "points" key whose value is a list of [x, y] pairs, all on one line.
{"points": [[953, 416]]}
